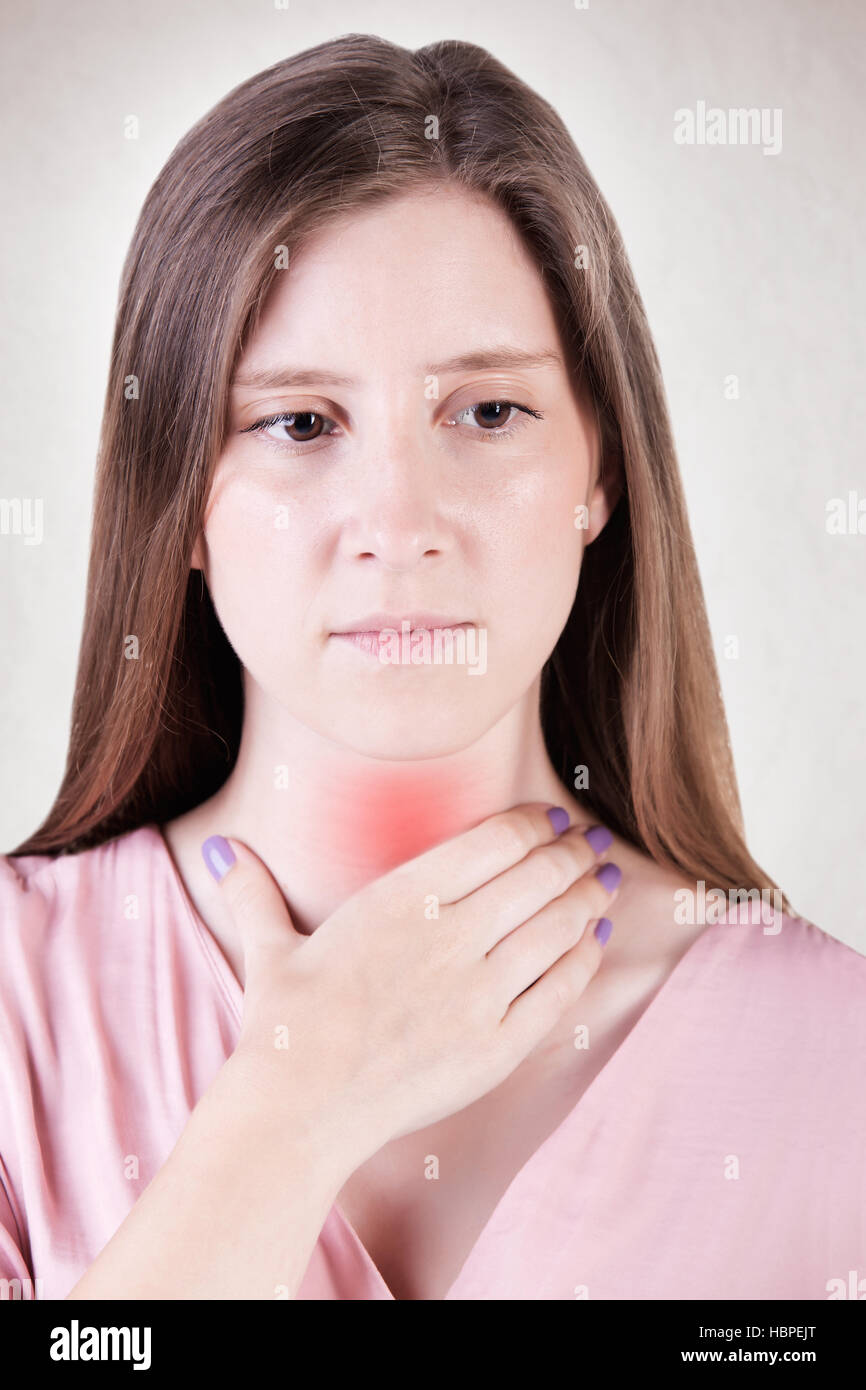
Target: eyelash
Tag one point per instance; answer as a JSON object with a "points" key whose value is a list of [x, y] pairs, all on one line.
{"points": [[296, 446]]}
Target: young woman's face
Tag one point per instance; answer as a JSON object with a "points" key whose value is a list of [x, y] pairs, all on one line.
{"points": [[395, 485]]}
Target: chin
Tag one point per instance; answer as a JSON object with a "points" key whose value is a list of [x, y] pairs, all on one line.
{"points": [[409, 731]]}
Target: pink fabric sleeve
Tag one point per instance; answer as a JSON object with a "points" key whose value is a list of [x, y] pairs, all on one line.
{"points": [[16, 1279]]}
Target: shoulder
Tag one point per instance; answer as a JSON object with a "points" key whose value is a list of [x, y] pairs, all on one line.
{"points": [[665, 914], [97, 968], [780, 1009], [61, 917], [43, 895], [780, 1005], [784, 957], [801, 996], [745, 967], [775, 965]]}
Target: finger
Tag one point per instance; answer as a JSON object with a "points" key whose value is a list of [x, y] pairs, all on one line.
{"points": [[518, 893], [530, 950], [255, 902], [532, 1015], [460, 865]]}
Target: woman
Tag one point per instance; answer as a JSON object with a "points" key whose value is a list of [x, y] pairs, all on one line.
{"points": [[377, 729]]}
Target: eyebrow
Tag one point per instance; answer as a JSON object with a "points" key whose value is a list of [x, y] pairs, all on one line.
{"points": [[278, 378]]}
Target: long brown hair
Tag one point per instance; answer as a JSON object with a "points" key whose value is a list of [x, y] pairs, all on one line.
{"points": [[631, 690]]}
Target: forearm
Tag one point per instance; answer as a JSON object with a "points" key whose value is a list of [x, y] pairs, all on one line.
{"points": [[235, 1211]]}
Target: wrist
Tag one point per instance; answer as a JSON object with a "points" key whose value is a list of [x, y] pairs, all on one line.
{"points": [[302, 1125]]}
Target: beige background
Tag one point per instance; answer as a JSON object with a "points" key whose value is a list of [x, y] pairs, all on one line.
{"points": [[749, 264]]}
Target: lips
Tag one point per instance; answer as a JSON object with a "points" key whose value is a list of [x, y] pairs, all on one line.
{"points": [[370, 632], [377, 622]]}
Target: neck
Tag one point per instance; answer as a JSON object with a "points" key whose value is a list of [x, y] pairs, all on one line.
{"points": [[326, 820]]}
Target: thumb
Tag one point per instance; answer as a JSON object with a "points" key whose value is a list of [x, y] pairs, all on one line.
{"points": [[255, 901]]}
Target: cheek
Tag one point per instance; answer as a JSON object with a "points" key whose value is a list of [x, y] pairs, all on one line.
{"points": [[537, 551], [256, 565]]}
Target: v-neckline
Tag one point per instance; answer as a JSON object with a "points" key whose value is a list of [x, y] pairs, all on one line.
{"points": [[588, 1099], [232, 993]]}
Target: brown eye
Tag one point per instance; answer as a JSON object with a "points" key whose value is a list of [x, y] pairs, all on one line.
{"points": [[292, 427], [489, 414], [493, 420], [301, 425]]}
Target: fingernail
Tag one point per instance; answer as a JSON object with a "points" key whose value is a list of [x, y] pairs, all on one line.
{"points": [[609, 876], [598, 837], [218, 855], [603, 929], [559, 818]]}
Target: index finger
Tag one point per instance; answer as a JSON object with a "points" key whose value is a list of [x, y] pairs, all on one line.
{"points": [[460, 865]]}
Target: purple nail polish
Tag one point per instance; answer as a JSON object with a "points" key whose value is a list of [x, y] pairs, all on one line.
{"points": [[603, 929], [598, 837], [559, 818], [218, 855], [609, 876]]}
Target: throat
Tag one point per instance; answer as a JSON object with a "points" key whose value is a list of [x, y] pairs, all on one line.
{"points": [[382, 821]]}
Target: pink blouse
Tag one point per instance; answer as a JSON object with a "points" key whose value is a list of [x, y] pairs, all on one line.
{"points": [[720, 1153]]}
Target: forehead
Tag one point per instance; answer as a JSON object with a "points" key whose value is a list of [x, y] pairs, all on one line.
{"points": [[415, 278]]}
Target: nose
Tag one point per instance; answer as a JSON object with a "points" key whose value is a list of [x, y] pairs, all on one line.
{"points": [[395, 513]]}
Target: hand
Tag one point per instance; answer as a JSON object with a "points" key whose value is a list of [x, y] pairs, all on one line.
{"points": [[426, 988]]}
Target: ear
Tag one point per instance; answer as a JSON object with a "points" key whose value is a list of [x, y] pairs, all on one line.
{"points": [[604, 496], [606, 467], [197, 561]]}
